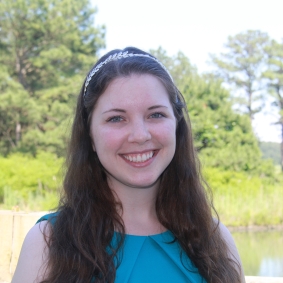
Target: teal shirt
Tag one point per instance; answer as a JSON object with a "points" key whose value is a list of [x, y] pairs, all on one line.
{"points": [[152, 259]]}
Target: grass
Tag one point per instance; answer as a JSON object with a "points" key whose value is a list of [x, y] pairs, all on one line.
{"points": [[243, 200], [262, 207], [33, 202]]}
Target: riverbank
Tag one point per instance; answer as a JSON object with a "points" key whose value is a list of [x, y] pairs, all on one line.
{"points": [[256, 228]]}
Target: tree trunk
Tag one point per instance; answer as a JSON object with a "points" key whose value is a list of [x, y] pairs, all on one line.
{"points": [[250, 101], [18, 132]]}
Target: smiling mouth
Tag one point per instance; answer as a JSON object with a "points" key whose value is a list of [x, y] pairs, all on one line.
{"points": [[139, 157]]}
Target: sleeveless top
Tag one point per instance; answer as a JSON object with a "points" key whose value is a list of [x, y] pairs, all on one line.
{"points": [[153, 258]]}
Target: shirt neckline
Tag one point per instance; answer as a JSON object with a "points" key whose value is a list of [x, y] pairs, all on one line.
{"points": [[162, 234]]}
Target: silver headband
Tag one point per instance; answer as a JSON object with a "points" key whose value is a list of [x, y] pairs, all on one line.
{"points": [[118, 56]]}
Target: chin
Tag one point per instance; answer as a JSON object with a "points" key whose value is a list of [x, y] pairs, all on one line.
{"points": [[142, 183], [143, 186]]}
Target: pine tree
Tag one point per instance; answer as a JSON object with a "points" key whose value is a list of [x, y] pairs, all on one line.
{"points": [[242, 65], [46, 49], [274, 74]]}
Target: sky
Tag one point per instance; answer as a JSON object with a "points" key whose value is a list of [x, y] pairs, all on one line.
{"points": [[195, 27]]}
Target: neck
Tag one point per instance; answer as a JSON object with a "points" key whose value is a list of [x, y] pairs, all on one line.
{"points": [[138, 209]]}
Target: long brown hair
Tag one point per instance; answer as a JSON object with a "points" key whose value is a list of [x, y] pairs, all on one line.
{"points": [[80, 241]]}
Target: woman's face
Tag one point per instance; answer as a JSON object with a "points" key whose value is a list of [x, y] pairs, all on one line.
{"points": [[133, 130]]}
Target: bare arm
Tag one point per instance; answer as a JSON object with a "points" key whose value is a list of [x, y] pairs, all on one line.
{"points": [[232, 248], [33, 256]]}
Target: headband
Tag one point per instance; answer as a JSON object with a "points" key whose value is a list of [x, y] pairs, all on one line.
{"points": [[118, 56]]}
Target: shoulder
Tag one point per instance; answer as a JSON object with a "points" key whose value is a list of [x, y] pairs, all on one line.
{"points": [[226, 235], [233, 252], [31, 266]]}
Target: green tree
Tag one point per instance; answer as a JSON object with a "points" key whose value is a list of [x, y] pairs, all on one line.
{"points": [[46, 48], [223, 137], [274, 74], [242, 65], [179, 65], [17, 111], [271, 150]]}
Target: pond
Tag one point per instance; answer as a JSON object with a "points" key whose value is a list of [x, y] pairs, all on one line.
{"points": [[261, 252]]}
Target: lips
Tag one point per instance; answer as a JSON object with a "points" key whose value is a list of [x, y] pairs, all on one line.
{"points": [[139, 157]]}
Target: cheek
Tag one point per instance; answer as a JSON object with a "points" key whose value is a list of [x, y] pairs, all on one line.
{"points": [[167, 134], [106, 140]]}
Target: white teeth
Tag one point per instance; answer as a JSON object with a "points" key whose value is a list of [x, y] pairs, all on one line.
{"points": [[139, 157]]}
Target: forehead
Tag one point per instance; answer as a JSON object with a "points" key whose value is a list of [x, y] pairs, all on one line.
{"points": [[134, 90]]}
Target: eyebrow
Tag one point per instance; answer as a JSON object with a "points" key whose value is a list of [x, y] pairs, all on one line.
{"points": [[124, 111], [115, 110], [157, 106]]}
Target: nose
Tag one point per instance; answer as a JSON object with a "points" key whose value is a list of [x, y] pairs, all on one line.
{"points": [[139, 132]]}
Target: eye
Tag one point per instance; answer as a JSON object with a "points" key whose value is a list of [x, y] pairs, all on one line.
{"points": [[115, 119], [157, 115]]}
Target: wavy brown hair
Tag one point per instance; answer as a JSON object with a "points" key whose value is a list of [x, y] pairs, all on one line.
{"points": [[80, 240]]}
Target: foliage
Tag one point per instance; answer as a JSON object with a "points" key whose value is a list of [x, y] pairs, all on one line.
{"points": [[30, 182], [274, 74], [223, 137], [242, 65], [17, 110], [46, 49], [242, 199], [270, 150], [33, 183]]}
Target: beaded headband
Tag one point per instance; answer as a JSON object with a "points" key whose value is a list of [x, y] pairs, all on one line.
{"points": [[118, 56]]}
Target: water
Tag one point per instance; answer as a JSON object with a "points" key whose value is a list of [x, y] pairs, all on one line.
{"points": [[261, 252]]}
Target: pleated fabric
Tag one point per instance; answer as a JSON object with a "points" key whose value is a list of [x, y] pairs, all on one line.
{"points": [[155, 258]]}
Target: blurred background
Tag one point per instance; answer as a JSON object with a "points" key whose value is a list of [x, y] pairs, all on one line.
{"points": [[226, 58]]}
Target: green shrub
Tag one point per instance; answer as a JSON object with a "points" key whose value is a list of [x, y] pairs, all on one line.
{"points": [[242, 199], [30, 182]]}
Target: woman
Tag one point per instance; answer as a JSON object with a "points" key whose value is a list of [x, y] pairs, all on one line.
{"points": [[134, 207]]}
